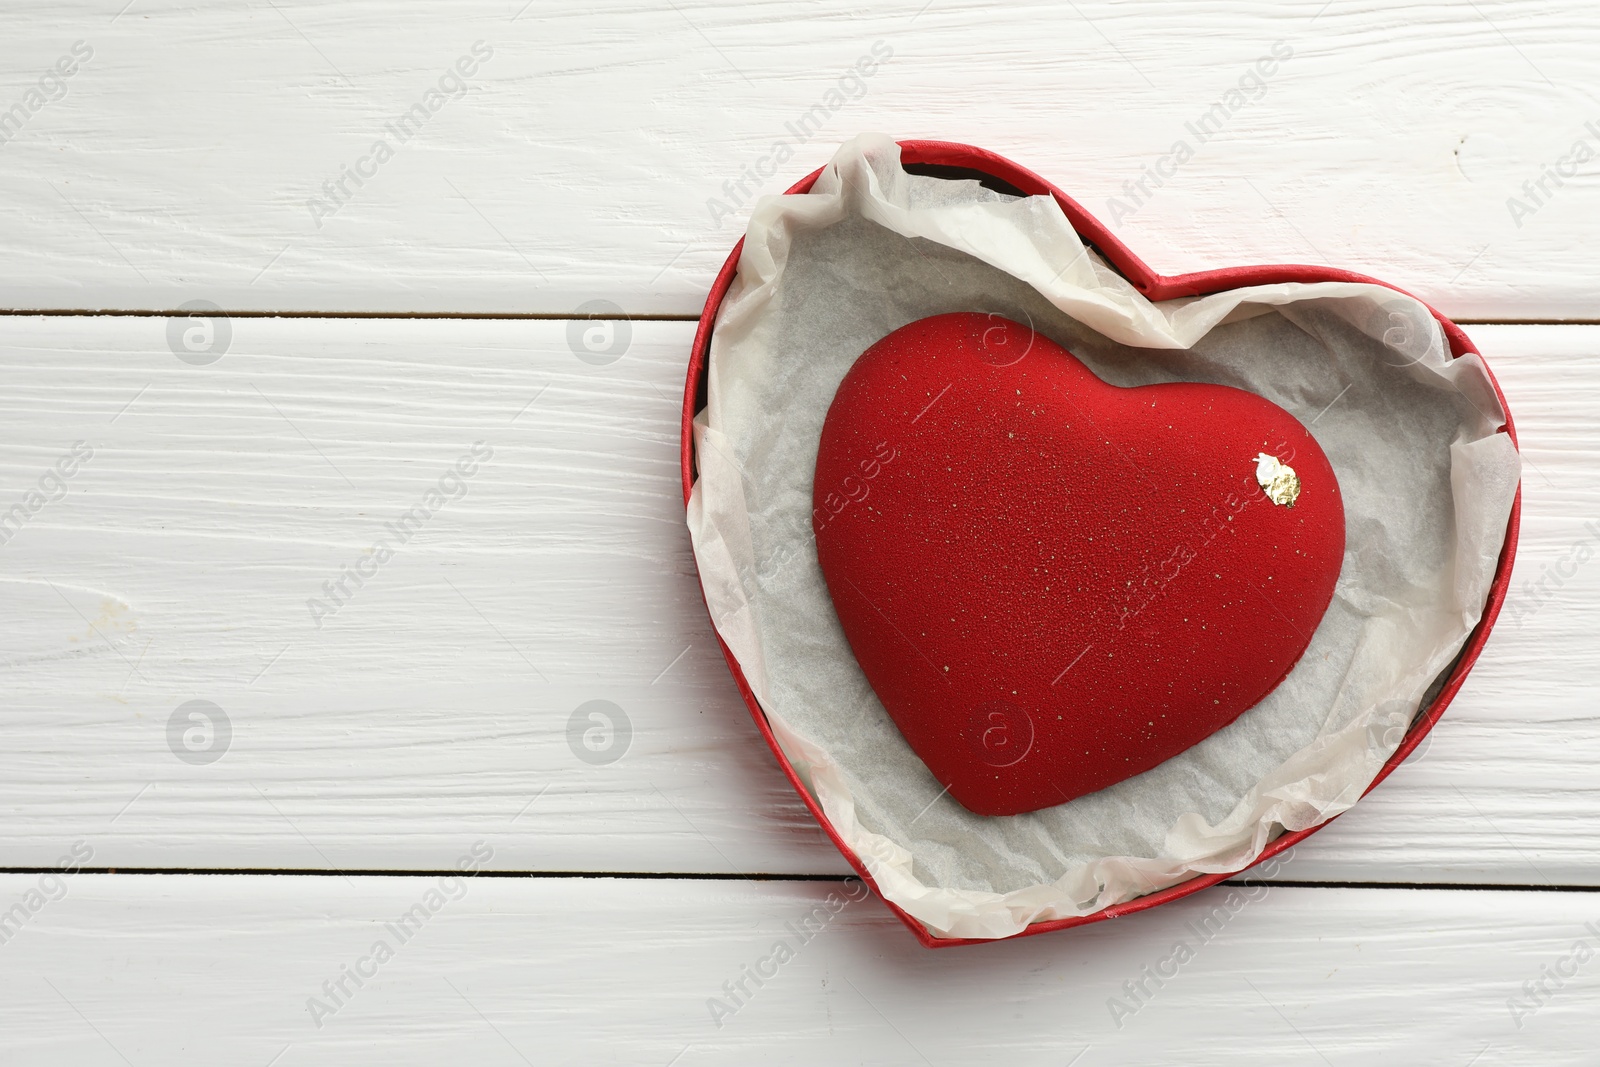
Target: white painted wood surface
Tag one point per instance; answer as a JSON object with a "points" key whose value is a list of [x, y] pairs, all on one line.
{"points": [[437, 701], [184, 970], [181, 162], [440, 706]]}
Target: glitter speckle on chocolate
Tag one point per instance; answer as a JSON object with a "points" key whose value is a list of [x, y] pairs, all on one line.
{"points": [[1278, 480]]}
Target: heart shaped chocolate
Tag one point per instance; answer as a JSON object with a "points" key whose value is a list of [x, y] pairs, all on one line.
{"points": [[1053, 583]]}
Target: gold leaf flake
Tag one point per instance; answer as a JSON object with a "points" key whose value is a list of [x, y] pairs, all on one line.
{"points": [[1278, 480]]}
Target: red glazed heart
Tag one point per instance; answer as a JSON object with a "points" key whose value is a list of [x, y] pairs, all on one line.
{"points": [[1053, 583]]}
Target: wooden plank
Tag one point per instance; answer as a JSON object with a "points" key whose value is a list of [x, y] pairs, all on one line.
{"points": [[183, 969], [440, 695], [612, 152], [437, 701]]}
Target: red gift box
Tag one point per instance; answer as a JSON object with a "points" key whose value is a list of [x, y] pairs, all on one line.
{"points": [[955, 161]]}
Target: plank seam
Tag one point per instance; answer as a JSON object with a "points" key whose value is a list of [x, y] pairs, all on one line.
{"points": [[515, 316], [1487, 887], [465, 316]]}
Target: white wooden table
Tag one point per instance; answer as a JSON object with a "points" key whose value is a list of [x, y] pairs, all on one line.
{"points": [[238, 868]]}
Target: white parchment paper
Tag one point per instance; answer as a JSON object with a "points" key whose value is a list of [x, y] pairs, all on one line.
{"points": [[1427, 486]]}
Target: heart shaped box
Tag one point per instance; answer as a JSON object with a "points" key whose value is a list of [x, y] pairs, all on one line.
{"points": [[943, 159]]}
